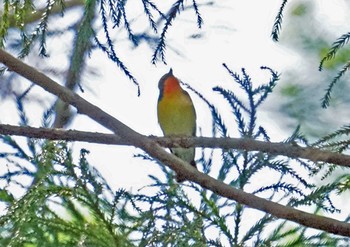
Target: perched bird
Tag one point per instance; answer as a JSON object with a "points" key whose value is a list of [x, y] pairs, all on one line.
{"points": [[176, 115]]}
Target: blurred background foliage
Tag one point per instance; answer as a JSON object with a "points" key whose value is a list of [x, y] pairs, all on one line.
{"points": [[310, 34]]}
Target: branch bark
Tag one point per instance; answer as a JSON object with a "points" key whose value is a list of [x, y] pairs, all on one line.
{"points": [[176, 164], [274, 148]]}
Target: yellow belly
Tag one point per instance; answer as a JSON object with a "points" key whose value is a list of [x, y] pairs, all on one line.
{"points": [[176, 115]]}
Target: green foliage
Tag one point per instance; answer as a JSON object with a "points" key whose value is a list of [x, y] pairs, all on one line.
{"points": [[16, 14], [303, 89], [337, 45], [300, 9], [65, 204], [336, 61], [291, 90], [330, 55], [61, 203]]}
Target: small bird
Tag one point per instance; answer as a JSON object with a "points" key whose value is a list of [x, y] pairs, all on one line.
{"points": [[176, 115]]}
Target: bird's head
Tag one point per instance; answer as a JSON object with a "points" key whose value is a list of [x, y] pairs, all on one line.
{"points": [[168, 83]]}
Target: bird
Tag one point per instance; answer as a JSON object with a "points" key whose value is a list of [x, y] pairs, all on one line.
{"points": [[176, 116]]}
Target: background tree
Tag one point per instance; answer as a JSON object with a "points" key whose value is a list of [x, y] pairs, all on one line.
{"points": [[54, 198]]}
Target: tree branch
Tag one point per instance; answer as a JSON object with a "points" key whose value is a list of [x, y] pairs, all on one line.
{"points": [[176, 164], [274, 148]]}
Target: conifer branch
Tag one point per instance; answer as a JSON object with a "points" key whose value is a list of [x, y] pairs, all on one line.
{"points": [[37, 15], [82, 46], [109, 47], [339, 43], [179, 166], [277, 25], [327, 97], [160, 49]]}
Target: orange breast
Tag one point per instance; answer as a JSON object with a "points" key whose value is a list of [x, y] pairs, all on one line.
{"points": [[171, 86]]}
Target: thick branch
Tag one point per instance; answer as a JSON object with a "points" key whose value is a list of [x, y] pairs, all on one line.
{"points": [[61, 134], [176, 164], [274, 148]]}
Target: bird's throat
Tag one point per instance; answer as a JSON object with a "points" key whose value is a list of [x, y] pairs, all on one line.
{"points": [[171, 86]]}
